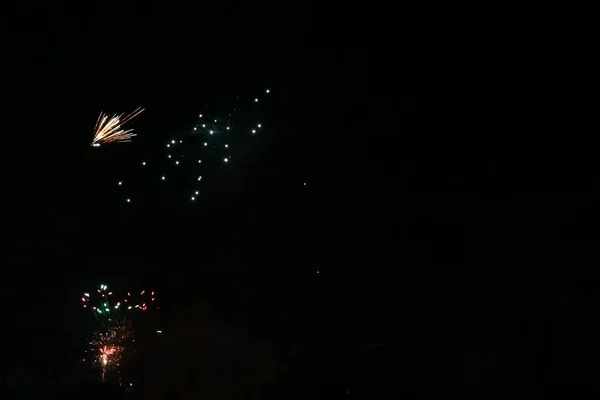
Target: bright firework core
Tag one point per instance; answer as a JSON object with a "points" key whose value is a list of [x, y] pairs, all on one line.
{"points": [[106, 352]]}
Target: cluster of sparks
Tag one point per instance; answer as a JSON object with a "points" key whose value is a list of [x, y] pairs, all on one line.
{"points": [[109, 343], [109, 128], [104, 302], [208, 144]]}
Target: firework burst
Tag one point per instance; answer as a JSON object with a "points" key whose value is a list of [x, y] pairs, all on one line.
{"points": [[108, 346], [114, 339], [105, 304], [108, 129]]}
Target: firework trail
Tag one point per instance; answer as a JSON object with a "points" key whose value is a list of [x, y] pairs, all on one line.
{"points": [[108, 129]]}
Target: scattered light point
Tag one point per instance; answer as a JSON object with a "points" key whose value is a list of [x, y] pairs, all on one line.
{"points": [[196, 193], [227, 128], [169, 156], [253, 130], [200, 178], [256, 100], [259, 125], [199, 161], [129, 200], [205, 144], [173, 141], [204, 125], [226, 146], [177, 162], [120, 183], [143, 162], [267, 91], [200, 115], [163, 177], [211, 132], [226, 159], [193, 198]]}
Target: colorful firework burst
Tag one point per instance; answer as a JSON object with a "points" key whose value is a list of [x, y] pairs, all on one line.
{"points": [[109, 344], [105, 304]]}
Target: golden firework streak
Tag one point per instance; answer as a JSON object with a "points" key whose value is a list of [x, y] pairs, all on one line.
{"points": [[108, 129]]}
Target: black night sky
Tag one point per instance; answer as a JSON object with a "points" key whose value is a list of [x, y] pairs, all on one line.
{"points": [[389, 232]]}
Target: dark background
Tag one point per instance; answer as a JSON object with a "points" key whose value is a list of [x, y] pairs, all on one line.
{"points": [[452, 224]]}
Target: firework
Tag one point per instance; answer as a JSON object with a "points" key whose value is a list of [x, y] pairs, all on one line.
{"points": [[114, 312], [108, 129], [108, 346], [188, 162], [105, 303]]}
